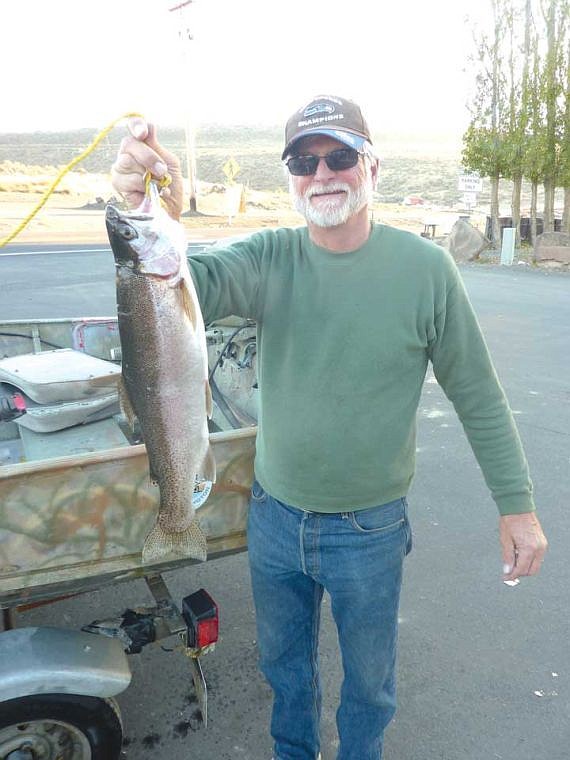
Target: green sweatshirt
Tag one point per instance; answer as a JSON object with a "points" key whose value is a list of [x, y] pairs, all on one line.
{"points": [[343, 346]]}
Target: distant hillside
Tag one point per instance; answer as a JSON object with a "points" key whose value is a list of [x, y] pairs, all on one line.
{"points": [[409, 167]]}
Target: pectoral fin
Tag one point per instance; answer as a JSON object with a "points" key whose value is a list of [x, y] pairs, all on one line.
{"points": [[125, 403], [188, 302], [209, 402]]}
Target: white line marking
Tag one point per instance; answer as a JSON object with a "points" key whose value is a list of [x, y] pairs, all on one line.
{"points": [[55, 250]]}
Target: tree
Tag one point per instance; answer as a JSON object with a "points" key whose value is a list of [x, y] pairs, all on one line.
{"points": [[534, 155], [554, 16], [564, 169], [483, 142], [518, 112]]}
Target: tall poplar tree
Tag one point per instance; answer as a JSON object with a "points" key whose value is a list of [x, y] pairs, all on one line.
{"points": [[552, 89], [483, 142]]}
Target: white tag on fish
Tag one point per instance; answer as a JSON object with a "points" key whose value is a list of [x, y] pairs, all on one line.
{"points": [[202, 490]]}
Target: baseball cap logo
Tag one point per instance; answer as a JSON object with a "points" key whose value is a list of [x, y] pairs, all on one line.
{"points": [[318, 108]]}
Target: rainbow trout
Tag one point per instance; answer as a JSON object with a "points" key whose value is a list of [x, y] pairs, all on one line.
{"points": [[164, 368]]}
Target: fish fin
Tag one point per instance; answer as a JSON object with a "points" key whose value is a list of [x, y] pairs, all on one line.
{"points": [[185, 543], [208, 468], [188, 302], [125, 403], [209, 402]]}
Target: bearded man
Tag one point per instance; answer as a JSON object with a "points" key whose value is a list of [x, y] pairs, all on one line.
{"points": [[337, 417]]}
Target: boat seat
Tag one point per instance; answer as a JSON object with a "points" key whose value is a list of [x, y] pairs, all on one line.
{"points": [[62, 388]]}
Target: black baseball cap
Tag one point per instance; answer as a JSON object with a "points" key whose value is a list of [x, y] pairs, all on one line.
{"points": [[328, 115]]}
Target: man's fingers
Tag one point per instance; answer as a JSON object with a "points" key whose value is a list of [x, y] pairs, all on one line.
{"points": [[138, 127], [136, 156], [128, 183], [125, 163], [523, 545], [139, 153]]}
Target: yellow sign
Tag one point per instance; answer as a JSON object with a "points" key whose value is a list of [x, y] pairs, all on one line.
{"points": [[231, 169]]}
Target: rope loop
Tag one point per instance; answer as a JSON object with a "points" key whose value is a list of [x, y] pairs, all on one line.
{"points": [[90, 148]]}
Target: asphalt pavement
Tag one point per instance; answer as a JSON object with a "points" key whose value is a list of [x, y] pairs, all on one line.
{"points": [[484, 669]]}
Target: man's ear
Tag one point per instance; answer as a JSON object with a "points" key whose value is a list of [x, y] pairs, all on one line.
{"points": [[374, 171]]}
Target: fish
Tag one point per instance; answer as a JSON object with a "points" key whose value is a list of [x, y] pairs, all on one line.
{"points": [[164, 380]]}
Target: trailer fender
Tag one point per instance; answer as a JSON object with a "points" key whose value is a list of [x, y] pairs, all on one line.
{"points": [[60, 661]]}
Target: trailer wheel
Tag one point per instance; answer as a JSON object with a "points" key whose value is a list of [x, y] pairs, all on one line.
{"points": [[60, 727]]}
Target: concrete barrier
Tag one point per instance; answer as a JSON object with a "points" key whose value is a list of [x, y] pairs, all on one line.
{"points": [[552, 246]]}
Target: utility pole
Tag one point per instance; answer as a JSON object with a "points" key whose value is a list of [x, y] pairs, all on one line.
{"points": [[185, 37]]}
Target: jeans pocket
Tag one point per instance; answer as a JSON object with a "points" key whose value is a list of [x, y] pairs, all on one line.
{"points": [[258, 495], [386, 518]]}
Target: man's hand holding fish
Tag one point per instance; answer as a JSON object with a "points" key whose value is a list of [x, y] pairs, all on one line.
{"points": [[140, 152]]}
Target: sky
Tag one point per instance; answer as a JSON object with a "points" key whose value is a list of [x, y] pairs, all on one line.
{"points": [[67, 64]]}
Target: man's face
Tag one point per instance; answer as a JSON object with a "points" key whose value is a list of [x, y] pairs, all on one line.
{"points": [[329, 198]]}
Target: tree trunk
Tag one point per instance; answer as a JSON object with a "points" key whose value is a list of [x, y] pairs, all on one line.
{"points": [[548, 224], [516, 208], [551, 93], [495, 226], [566, 214], [533, 205]]}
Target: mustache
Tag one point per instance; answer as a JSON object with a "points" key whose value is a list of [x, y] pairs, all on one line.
{"points": [[332, 187]]}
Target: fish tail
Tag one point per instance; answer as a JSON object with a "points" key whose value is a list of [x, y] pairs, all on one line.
{"points": [[190, 542]]}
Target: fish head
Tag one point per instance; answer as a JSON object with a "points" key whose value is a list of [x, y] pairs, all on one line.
{"points": [[148, 242]]}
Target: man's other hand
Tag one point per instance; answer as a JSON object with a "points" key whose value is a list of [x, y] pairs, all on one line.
{"points": [[523, 545]]}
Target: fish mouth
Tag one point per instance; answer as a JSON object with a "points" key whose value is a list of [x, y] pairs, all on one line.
{"points": [[113, 215], [121, 234]]}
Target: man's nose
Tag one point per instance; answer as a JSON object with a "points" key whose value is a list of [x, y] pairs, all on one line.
{"points": [[323, 171]]}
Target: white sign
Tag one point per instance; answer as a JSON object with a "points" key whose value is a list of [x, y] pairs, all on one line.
{"points": [[470, 182], [470, 199], [508, 246]]}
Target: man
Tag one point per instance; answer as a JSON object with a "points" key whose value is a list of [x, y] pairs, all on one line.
{"points": [[336, 440]]}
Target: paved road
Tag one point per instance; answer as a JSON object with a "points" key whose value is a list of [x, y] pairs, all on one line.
{"points": [[484, 670], [64, 281]]}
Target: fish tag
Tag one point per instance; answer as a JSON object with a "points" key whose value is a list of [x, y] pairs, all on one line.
{"points": [[201, 492]]}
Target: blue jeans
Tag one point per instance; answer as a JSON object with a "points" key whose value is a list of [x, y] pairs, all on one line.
{"points": [[357, 557]]}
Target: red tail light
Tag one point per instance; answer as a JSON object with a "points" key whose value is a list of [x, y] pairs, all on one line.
{"points": [[207, 632], [201, 615], [19, 402]]}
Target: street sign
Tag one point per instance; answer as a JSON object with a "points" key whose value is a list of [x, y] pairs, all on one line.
{"points": [[231, 169], [470, 182], [469, 199]]}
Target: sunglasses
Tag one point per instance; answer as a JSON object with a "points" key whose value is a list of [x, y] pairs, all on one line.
{"points": [[336, 160]]}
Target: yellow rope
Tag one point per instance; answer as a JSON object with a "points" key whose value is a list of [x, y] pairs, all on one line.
{"points": [[101, 136], [163, 182]]}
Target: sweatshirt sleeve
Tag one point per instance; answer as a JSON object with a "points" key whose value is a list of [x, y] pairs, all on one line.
{"points": [[464, 369], [228, 279]]}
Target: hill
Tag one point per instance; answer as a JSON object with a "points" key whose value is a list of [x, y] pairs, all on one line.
{"points": [[426, 166]]}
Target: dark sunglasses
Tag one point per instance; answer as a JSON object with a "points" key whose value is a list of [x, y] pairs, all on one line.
{"points": [[336, 160]]}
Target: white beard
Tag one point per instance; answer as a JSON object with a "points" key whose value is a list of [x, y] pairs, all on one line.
{"points": [[333, 212]]}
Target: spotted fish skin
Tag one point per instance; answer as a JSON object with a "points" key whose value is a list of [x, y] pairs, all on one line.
{"points": [[164, 368]]}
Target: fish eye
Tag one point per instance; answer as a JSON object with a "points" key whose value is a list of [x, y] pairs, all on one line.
{"points": [[127, 232]]}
